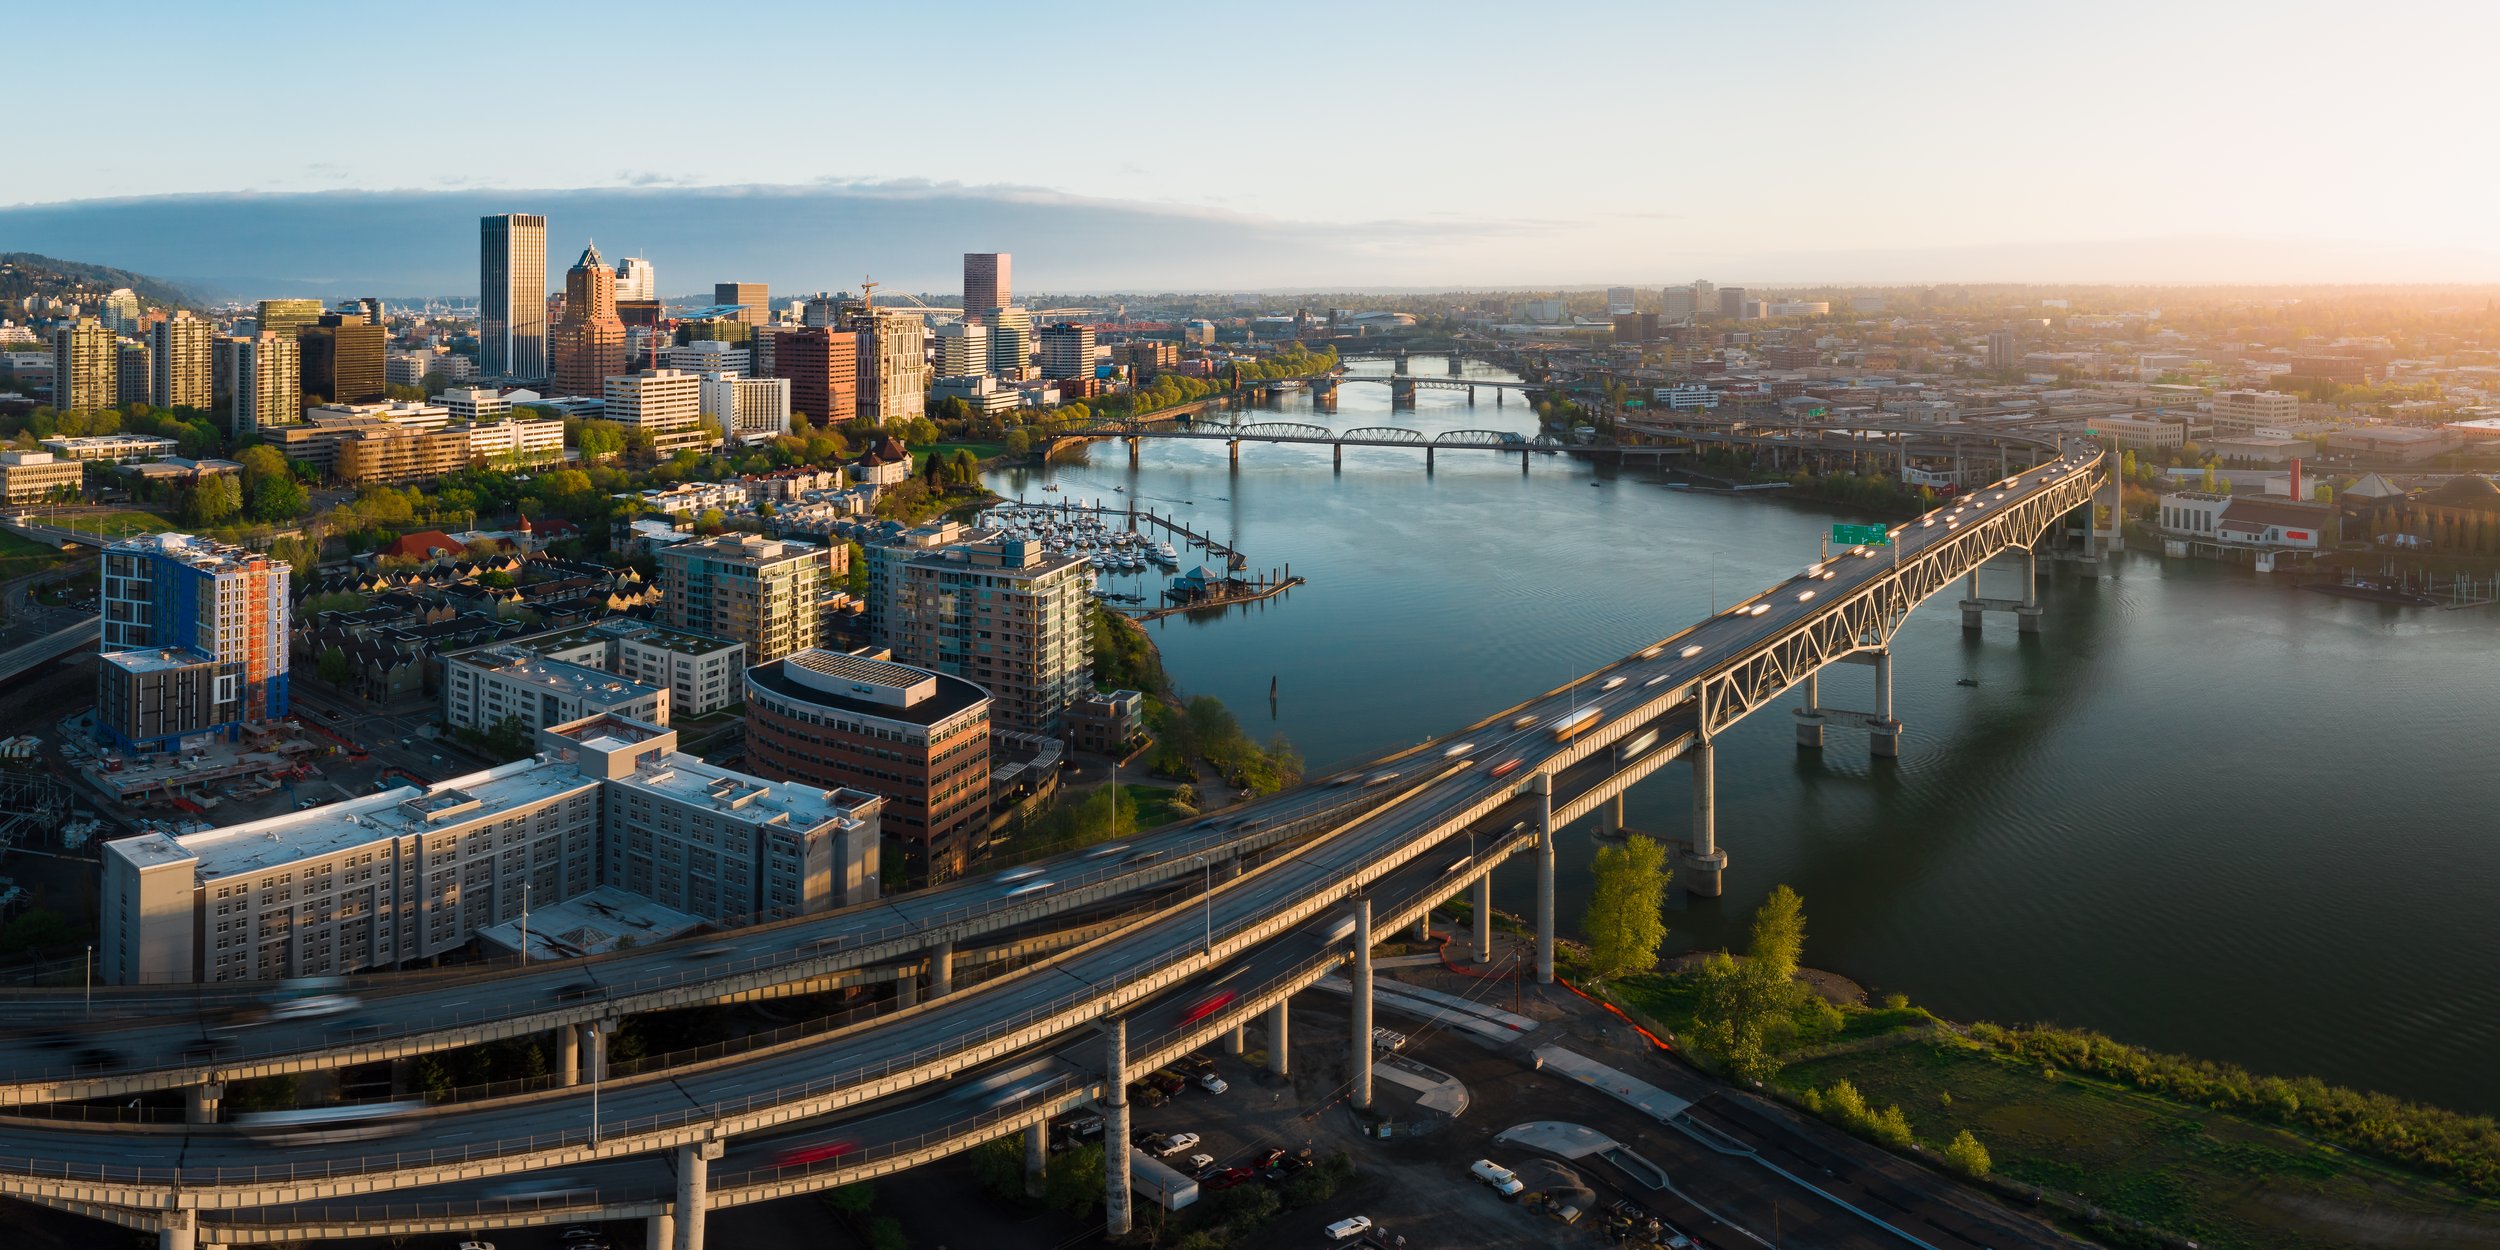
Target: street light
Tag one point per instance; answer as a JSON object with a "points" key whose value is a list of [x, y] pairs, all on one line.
{"points": [[91, 980]]}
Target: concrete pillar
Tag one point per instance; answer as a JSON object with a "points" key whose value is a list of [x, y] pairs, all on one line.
{"points": [[1523, 464], [1338, 450], [200, 1102], [1115, 1144], [1235, 1042], [1279, 1024], [180, 1231], [1971, 612], [942, 969], [591, 1045], [1706, 866], [1614, 814], [1423, 928], [1810, 717], [1883, 735], [2027, 617], [1544, 788], [907, 990], [1359, 1044], [1036, 1157], [1132, 451], [1234, 447], [1484, 919], [1427, 457], [694, 1184], [568, 1055], [659, 1232]]}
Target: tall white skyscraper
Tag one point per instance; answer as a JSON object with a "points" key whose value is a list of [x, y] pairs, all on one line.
{"points": [[636, 280], [963, 350], [512, 296]]}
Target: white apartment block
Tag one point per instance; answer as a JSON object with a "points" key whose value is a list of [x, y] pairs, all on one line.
{"points": [[516, 443], [111, 448], [708, 356], [748, 408], [963, 349], [702, 675], [471, 403], [413, 873], [664, 403], [484, 688]]}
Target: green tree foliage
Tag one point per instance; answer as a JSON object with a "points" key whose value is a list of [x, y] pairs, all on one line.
{"points": [[1779, 936], [857, 582], [1622, 921], [1017, 445], [36, 929], [1124, 658], [998, 1164], [510, 739], [332, 667], [1964, 1154], [1074, 1182], [279, 498], [1101, 815], [261, 461], [213, 500], [1207, 730]]}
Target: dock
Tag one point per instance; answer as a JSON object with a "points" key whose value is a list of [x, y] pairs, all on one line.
{"points": [[1229, 593], [1181, 535]]}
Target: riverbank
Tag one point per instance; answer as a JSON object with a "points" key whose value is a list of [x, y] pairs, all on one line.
{"points": [[2130, 1148]]}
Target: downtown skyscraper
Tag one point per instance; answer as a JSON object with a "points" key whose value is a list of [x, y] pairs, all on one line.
{"points": [[987, 282], [589, 340], [512, 296]]}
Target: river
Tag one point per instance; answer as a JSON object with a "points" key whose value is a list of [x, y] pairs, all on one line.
{"points": [[2200, 811]]}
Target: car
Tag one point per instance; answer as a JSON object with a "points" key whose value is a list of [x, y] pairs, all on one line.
{"points": [[1212, 1083], [1268, 1157], [1460, 749], [1522, 722], [1758, 609], [1025, 873], [1152, 1142], [1230, 1177], [207, 1047], [1508, 766], [1502, 1179], [1028, 889], [1083, 1126], [1106, 852], [814, 1152], [51, 1039], [1201, 1164], [707, 952], [1380, 779], [1614, 682], [1804, 595], [99, 1057], [313, 1007], [579, 1233], [332, 713], [1689, 652], [1351, 1226], [477, 1245], [1178, 1143]]}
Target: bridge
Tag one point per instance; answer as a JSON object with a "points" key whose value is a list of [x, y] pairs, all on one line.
{"points": [[1230, 917], [1234, 435]]}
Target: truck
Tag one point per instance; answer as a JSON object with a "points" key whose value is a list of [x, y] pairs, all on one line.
{"points": [[1575, 724], [1153, 1178]]}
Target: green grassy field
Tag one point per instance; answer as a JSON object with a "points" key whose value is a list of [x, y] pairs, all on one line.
{"points": [[2226, 1181], [980, 451], [20, 556]]}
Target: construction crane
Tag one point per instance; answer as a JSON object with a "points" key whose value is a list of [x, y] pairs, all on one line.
{"points": [[867, 295]]}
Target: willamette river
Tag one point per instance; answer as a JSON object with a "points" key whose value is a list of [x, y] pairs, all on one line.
{"points": [[2200, 812]]}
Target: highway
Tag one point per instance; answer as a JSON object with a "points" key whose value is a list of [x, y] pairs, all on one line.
{"points": [[1464, 783]]}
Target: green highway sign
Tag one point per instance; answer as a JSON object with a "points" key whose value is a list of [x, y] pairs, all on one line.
{"points": [[1861, 536]]}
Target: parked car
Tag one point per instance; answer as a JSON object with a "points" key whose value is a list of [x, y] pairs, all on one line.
{"points": [[1212, 1083], [1352, 1226], [1177, 1143], [1201, 1164], [1230, 1177]]}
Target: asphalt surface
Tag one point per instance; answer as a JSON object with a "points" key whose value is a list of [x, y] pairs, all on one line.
{"points": [[1436, 790]]}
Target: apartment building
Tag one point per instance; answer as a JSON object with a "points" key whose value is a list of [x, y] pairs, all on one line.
{"points": [[86, 364], [486, 687], [182, 368], [1067, 350], [963, 350], [111, 448], [260, 377], [667, 404], [766, 593], [1001, 613], [893, 365], [701, 674], [708, 356], [919, 738], [29, 476], [225, 605], [822, 364], [412, 873], [2252, 412], [748, 409]]}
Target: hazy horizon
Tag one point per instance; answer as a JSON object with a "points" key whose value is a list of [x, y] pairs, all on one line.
{"points": [[1374, 146]]}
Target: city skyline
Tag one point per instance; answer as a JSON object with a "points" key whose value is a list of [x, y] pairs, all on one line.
{"points": [[1960, 143]]}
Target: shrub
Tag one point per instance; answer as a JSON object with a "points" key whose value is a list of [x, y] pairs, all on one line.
{"points": [[1965, 1155]]}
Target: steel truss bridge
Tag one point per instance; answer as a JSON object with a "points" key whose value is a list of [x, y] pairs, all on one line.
{"points": [[1227, 913]]}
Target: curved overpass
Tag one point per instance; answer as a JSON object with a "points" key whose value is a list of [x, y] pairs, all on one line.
{"points": [[1664, 703]]}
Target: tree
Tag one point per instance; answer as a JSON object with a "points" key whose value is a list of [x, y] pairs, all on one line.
{"points": [[213, 500], [1622, 922], [333, 666], [1017, 445], [261, 461], [857, 584], [1964, 1154], [279, 498], [1779, 936], [1074, 1182]]}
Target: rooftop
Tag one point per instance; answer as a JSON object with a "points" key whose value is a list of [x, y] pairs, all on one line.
{"points": [[602, 920], [318, 831], [523, 665], [689, 779], [156, 660], [946, 696]]}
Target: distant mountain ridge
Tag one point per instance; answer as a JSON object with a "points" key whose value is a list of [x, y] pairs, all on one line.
{"points": [[32, 273]]}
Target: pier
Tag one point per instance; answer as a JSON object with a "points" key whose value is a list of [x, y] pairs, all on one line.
{"points": [[1181, 535]]}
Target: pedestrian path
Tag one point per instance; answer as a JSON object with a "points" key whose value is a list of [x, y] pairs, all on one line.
{"points": [[1450, 1010], [1622, 1086]]}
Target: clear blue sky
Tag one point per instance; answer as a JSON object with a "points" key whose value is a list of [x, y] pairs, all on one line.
{"points": [[1515, 141]]}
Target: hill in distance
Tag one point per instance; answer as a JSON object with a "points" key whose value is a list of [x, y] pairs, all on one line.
{"points": [[27, 273]]}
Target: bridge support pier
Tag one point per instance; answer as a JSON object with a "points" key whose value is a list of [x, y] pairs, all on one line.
{"points": [[1810, 717], [1883, 734], [1544, 787], [1484, 918], [1036, 1157], [568, 1055], [694, 1185], [1972, 609], [1235, 1042], [1234, 447], [1115, 1143], [1471, 397], [1338, 451], [1427, 457], [907, 988], [1359, 1037], [1706, 866], [659, 1230], [2027, 617], [180, 1231], [1523, 464], [1423, 927], [199, 1103], [941, 969], [1279, 1032], [1132, 450]]}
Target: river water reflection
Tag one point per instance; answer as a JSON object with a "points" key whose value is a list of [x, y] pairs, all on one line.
{"points": [[2199, 811]]}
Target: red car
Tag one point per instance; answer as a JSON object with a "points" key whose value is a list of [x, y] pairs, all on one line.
{"points": [[801, 1156], [1208, 1007], [1230, 1177], [1507, 767]]}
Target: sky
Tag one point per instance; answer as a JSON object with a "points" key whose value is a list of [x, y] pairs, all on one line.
{"points": [[1443, 143]]}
